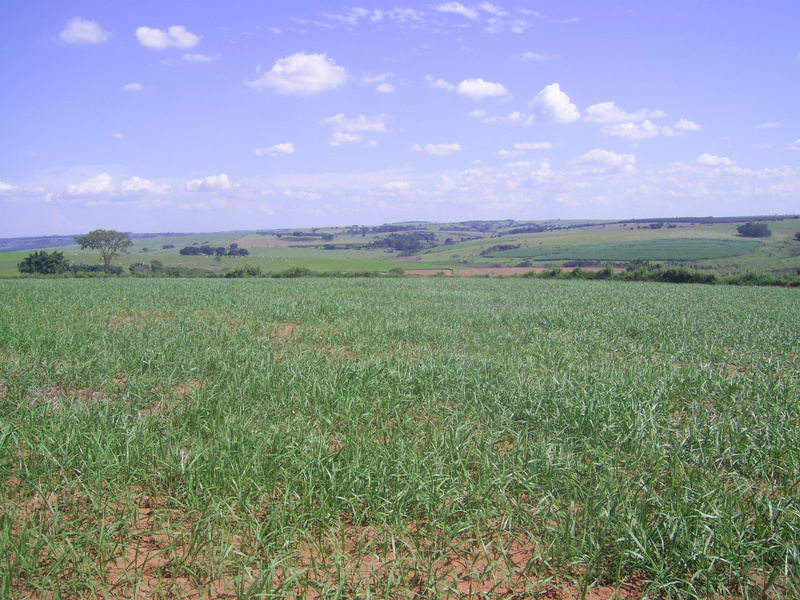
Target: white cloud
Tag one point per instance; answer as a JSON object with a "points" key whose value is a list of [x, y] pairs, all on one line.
{"points": [[440, 84], [139, 184], [381, 82], [132, 87], [175, 36], [340, 138], [101, 184], [533, 146], [647, 129], [437, 149], [302, 74], [276, 150], [711, 160], [4, 187], [360, 123], [681, 127], [604, 161], [608, 112], [553, 105], [198, 58], [632, 131], [769, 125], [356, 15], [397, 186], [459, 9], [795, 145], [478, 89], [210, 183], [82, 31], [345, 130], [536, 56]]}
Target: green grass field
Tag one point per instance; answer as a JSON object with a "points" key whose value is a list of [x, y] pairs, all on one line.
{"points": [[397, 438], [658, 249]]}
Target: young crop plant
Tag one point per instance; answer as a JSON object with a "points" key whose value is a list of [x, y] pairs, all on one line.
{"points": [[397, 437]]}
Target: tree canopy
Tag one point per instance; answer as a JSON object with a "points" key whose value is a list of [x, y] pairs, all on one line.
{"points": [[43, 263], [756, 230], [108, 242]]}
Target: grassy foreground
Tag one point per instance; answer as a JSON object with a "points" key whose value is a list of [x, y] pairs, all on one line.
{"points": [[397, 438]]}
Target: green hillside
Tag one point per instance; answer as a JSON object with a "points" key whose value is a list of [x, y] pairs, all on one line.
{"points": [[704, 243]]}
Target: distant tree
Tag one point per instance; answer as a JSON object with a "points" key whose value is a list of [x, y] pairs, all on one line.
{"points": [[797, 236], [756, 230], [167, 246], [44, 263], [234, 246], [108, 242]]}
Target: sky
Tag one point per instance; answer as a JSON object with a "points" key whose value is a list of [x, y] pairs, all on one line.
{"points": [[202, 116]]}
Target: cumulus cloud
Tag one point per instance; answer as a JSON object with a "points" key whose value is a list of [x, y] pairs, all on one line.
{"points": [[132, 87], [609, 112], [175, 36], [604, 161], [140, 184], [648, 129], [711, 160], [4, 187], [83, 31], [101, 184], [459, 9], [209, 184], [769, 125], [302, 74], [385, 88], [437, 149], [632, 131], [478, 89], [276, 150], [554, 106], [795, 145]]}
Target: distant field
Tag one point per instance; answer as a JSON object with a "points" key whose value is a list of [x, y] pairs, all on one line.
{"points": [[677, 249], [709, 244], [398, 438]]}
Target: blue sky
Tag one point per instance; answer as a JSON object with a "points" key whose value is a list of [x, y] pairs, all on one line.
{"points": [[207, 116]]}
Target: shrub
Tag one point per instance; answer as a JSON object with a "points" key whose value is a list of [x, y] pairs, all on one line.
{"points": [[755, 230], [43, 263]]}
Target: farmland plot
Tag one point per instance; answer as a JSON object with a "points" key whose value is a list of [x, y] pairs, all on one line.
{"points": [[397, 438]]}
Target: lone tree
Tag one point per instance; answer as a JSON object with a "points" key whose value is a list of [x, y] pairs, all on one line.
{"points": [[108, 242], [756, 230], [43, 263]]}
